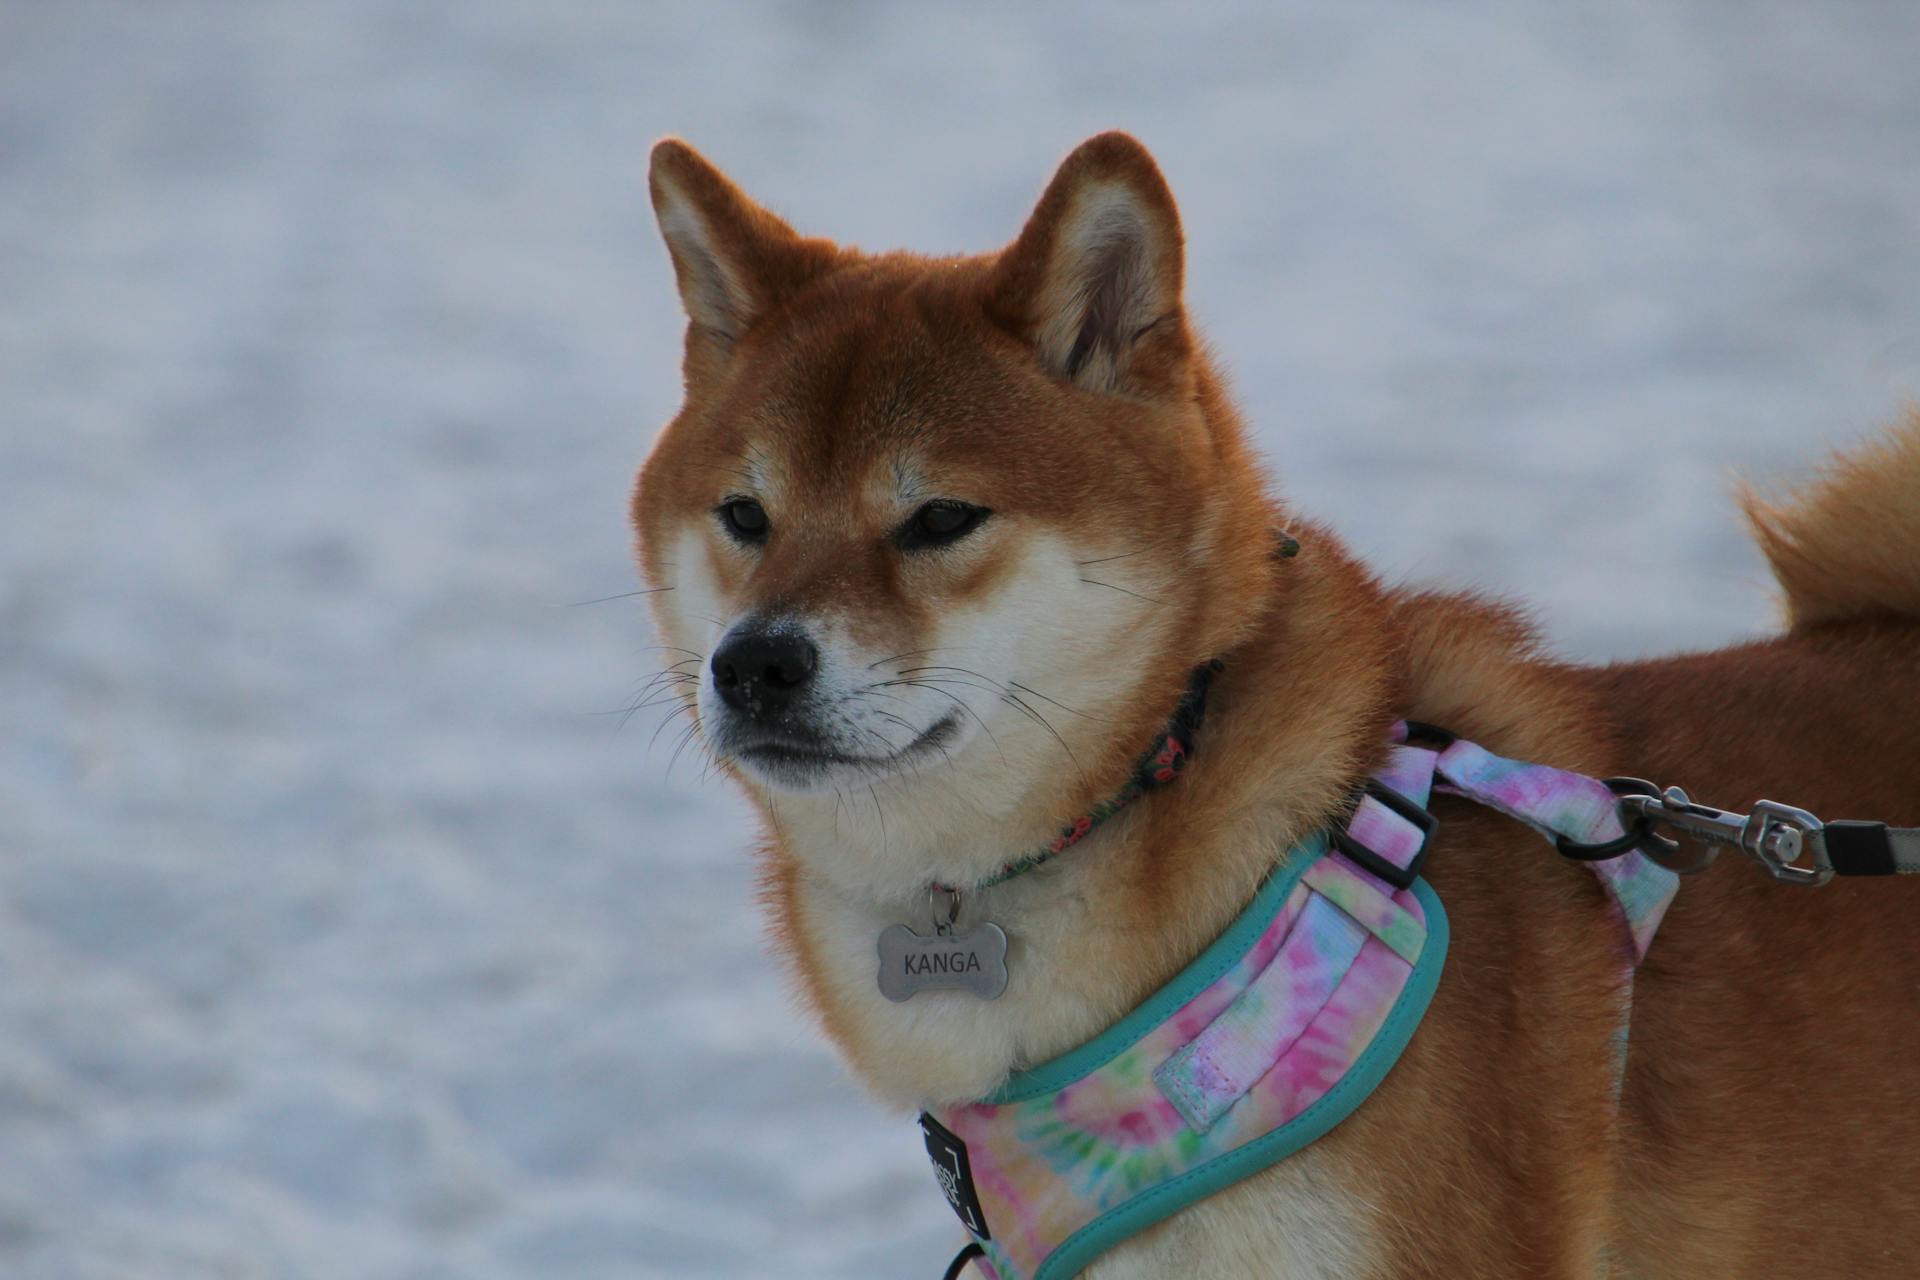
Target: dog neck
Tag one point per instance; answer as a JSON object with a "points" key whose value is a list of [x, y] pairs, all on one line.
{"points": [[1295, 719]]}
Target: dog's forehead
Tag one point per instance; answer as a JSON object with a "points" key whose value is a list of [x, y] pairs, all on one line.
{"points": [[881, 404]]}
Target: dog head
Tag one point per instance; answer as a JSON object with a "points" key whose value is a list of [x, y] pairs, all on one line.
{"points": [[945, 526]]}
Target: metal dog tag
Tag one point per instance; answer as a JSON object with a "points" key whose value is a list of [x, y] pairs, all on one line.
{"points": [[973, 961]]}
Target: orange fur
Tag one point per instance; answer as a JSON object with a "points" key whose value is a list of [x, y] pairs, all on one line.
{"points": [[1764, 1127], [1844, 548]]}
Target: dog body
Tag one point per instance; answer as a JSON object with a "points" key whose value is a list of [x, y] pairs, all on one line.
{"points": [[936, 543]]}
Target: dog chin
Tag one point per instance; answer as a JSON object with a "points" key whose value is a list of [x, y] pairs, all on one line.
{"points": [[824, 766]]}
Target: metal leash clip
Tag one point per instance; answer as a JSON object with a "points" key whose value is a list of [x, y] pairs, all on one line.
{"points": [[1774, 835]]}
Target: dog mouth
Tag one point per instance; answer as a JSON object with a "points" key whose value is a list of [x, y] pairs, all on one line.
{"points": [[796, 761]]}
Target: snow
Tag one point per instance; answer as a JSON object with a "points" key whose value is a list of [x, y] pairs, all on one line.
{"points": [[340, 933]]}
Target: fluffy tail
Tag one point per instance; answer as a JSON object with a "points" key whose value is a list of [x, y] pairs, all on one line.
{"points": [[1848, 544]]}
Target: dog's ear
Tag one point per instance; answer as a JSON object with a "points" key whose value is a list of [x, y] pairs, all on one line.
{"points": [[1094, 280], [733, 259]]}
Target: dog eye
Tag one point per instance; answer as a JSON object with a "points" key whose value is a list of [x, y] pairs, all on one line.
{"points": [[744, 518], [939, 523]]}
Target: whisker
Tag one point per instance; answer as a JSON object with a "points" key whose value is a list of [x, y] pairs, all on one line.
{"points": [[693, 731], [1044, 723], [667, 720], [1010, 684], [674, 669], [624, 595], [965, 671], [629, 712], [879, 813], [669, 675], [676, 684], [671, 648], [1011, 699], [1015, 684], [671, 712], [1122, 590], [963, 705], [915, 653], [930, 681], [1141, 550], [913, 735]]}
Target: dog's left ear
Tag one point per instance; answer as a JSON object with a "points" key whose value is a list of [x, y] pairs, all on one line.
{"points": [[1094, 281]]}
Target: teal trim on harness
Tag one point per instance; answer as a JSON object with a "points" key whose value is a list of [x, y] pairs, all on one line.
{"points": [[1354, 1088], [1057, 1073]]}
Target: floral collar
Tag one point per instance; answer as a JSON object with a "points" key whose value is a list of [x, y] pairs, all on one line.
{"points": [[1159, 765]]}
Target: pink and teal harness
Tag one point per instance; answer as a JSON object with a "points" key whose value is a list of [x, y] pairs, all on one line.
{"points": [[1276, 1033]]}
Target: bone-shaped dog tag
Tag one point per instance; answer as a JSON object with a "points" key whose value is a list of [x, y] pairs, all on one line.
{"points": [[973, 961]]}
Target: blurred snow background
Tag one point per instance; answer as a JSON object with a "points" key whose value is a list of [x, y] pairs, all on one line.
{"points": [[339, 934]]}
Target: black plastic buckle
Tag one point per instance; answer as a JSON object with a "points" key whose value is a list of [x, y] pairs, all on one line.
{"points": [[1360, 855], [1431, 736]]}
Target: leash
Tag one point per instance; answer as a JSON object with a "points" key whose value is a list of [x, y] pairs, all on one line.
{"points": [[1792, 845]]}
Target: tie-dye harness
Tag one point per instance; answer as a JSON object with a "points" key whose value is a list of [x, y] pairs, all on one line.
{"points": [[1275, 1034]]}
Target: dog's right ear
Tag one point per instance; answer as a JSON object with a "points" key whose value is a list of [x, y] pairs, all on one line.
{"points": [[733, 259]]}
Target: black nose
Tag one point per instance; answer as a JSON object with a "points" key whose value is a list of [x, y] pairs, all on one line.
{"points": [[759, 672]]}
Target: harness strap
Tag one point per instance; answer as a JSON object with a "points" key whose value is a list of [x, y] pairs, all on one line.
{"points": [[1217, 1068], [1570, 809]]}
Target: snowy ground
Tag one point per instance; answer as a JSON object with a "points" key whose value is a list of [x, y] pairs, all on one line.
{"points": [[339, 935]]}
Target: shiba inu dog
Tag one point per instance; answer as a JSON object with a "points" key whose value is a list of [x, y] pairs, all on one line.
{"points": [[936, 545]]}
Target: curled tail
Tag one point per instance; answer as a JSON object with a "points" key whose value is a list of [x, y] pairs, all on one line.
{"points": [[1848, 545]]}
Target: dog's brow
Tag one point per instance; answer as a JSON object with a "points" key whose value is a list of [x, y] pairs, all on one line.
{"points": [[749, 463], [909, 485]]}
